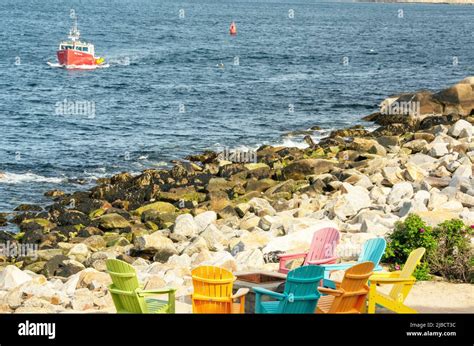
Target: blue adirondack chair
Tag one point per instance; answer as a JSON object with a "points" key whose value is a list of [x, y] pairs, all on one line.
{"points": [[372, 251], [299, 297]]}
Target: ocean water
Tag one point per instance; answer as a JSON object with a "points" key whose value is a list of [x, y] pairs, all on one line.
{"points": [[293, 65]]}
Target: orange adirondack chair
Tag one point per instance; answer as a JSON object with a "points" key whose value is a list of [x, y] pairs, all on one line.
{"points": [[213, 291], [322, 250], [350, 295]]}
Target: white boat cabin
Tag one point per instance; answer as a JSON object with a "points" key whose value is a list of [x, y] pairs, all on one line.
{"points": [[78, 46]]}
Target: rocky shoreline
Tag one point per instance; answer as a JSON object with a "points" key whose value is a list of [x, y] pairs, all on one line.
{"points": [[240, 215]]}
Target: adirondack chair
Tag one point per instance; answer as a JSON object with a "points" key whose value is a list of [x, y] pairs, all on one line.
{"points": [[213, 291], [322, 250], [299, 297], [402, 282], [129, 297], [372, 251], [350, 295]]}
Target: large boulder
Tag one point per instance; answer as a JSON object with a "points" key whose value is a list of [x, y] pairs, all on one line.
{"points": [[461, 129], [187, 193], [186, 226], [61, 265], [261, 207], [113, 221], [250, 259], [205, 219], [399, 193], [11, 277], [214, 238], [221, 259], [459, 98], [198, 244], [162, 207], [298, 170], [354, 199], [37, 224], [156, 243], [79, 252]]}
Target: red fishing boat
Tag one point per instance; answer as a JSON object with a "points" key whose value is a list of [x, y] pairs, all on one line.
{"points": [[77, 54]]}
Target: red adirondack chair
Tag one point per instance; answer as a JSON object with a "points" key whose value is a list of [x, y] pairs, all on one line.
{"points": [[322, 250]]}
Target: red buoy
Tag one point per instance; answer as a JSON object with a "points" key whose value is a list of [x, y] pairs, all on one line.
{"points": [[233, 29]]}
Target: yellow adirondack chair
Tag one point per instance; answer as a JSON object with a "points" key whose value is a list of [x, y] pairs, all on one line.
{"points": [[213, 291], [350, 295], [402, 282]]}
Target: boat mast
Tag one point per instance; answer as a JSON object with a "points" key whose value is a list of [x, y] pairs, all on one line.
{"points": [[74, 33]]}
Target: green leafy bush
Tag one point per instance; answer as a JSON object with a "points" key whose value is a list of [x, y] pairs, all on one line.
{"points": [[448, 248], [453, 257], [406, 237]]}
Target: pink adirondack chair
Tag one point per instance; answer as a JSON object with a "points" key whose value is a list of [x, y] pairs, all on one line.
{"points": [[322, 250]]}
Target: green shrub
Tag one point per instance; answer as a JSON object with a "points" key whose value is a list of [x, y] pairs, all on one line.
{"points": [[406, 237], [453, 257]]}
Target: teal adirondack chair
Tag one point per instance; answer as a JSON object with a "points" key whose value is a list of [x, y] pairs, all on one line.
{"points": [[129, 297], [372, 251], [299, 297]]}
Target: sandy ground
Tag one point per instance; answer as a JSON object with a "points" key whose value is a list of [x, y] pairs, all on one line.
{"points": [[438, 297], [441, 297], [425, 297]]}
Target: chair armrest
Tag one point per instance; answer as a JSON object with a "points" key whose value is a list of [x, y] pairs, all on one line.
{"points": [[387, 280], [330, 291], [240, 293], [164, 290], [323, 260], [263, 291], [327, 283], [292, 256]]}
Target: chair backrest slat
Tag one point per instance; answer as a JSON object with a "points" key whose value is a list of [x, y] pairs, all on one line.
{"points": [[301, 295], [410, 265], [124, 278], [354, 286], [209, 283], [323, 244], [372, 251]]}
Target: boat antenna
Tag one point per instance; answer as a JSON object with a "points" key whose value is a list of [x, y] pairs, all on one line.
{"points": [[74, 33]]}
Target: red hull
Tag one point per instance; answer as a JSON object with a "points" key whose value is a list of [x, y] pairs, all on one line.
{"points": [[72, 57]]}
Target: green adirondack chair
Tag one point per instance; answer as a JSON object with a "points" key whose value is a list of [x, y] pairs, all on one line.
{"points": [[129, 297], [299, 297]]}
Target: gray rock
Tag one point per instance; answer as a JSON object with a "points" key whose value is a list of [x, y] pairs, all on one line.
{"points": [[214, 238], [250, 259], [399, 192], [197, 245], [186, 226], [204, 219], [112, 221], [438, 149], [350, 203], [261, 207], [12, 277], [461, 129], [156, 243]]}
